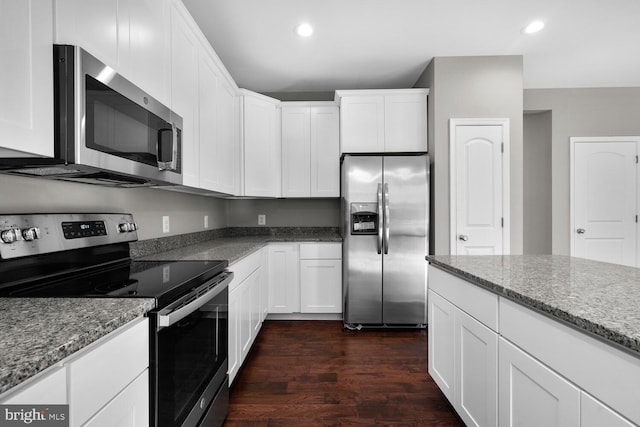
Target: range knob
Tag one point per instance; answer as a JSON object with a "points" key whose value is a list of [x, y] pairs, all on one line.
{"points": [[11, 235], [31, 233], [126, 227]]}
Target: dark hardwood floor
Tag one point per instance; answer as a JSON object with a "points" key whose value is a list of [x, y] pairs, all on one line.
{"points": [[315, 373]]}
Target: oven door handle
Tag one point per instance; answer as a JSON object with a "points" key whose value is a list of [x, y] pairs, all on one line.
{"points": [[177, 311]]}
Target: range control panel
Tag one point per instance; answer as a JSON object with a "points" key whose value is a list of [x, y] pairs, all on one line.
{"points": [[35, 234]]}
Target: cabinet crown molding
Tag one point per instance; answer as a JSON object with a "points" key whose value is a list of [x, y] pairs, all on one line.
{"points": [[378, 92]]}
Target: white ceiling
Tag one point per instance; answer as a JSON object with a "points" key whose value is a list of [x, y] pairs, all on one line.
{"points": [[361, 44]]}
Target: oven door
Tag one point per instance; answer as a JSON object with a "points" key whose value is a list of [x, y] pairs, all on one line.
{"points": [[189, 356]]}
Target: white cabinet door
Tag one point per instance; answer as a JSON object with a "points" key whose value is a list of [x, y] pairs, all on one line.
{"points": [[146, 58], [296, 151], [261, 148], [234, 334], [362, 124], [184, 89], [245, 324], [405, 123], [530, 394], [99, 27], [321, 286], [207, 101], [595, 414], [476, 371], [284, 278], [256, 308], [325, 151], [441, 343], [49, 388], [264, 280], [26, 78], [130, 408], [227, 161], [121, 356]]}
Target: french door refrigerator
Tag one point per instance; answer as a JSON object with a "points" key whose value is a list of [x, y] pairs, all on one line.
{"points": [[384, 207]]}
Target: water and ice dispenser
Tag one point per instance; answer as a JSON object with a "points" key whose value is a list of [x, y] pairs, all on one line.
{"points": [[364, 218]]}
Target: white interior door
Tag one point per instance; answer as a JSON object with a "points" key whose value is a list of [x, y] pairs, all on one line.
{"points": [[479, 186], [604, 197]]}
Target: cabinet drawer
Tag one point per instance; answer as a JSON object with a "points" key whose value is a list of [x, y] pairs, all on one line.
{"points": [[598, 368], [320, 250], [475, 301], [105, 369], [244, 267]]}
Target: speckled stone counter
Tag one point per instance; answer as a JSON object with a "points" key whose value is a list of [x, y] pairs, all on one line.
{"points": [[600, 298], [236, 248], [36, 333]]}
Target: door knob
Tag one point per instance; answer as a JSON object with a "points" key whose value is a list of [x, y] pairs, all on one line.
{"points": [[463, 237], [581, 231]]}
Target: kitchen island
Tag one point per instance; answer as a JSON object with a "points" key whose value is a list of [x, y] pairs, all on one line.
{"points": [[542, 339]]}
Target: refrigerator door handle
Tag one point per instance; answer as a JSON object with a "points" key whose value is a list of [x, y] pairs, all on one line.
{"points": [[379, 217], [385, 199]]}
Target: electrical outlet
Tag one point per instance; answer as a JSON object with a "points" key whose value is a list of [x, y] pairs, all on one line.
{"points": [[206, 221], [262, 219], [166, 274], [165, 224]]}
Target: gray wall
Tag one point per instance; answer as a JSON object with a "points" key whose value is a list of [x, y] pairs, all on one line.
{"points": [[186, 212], [580, 112], [537, 183], [284, 212], [473, 87]]}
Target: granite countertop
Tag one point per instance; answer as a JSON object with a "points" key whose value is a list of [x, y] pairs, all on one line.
{"points": [[600, 298], [36, 333], [236, 248]]}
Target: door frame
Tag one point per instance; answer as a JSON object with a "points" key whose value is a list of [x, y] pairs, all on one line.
{"points": [[573, 140], [506, 178]]}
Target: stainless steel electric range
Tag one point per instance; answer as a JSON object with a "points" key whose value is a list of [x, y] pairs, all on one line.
{"points": [[87, 255]]}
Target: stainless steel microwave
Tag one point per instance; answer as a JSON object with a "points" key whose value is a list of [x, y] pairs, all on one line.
{"points": [[106, 130]]}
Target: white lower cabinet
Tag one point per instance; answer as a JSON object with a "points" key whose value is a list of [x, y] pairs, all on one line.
{"points": [[99, 375], [463, 358], [104, 384], [284, 278], [595, 414], [320, 277], [129, 408], [245, 308], [533, 395], [476, 371]]}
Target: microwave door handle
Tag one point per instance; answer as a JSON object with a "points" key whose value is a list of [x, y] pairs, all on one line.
{"points": [[174, 148], [163, 163]]}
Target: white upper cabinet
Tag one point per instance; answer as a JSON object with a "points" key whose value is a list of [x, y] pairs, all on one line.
{"points": [[377, 121], [184, 89], [310, 149], [147, 60], [296, 151], [26, 85], [130, 36], [227, 161], [261, 145], [325, 151], [208, 141]]}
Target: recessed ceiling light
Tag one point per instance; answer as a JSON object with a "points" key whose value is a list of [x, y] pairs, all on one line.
{"points": [[533, 27], [304, 30]]}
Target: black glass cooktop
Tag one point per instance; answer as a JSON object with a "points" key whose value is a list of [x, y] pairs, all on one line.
{"points": [[162, 280]]}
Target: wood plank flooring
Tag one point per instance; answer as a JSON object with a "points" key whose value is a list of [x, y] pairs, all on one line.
{"points": [[315, 373]]}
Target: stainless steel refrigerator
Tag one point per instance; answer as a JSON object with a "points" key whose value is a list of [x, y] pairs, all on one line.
{"points": [[384, 228]]}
